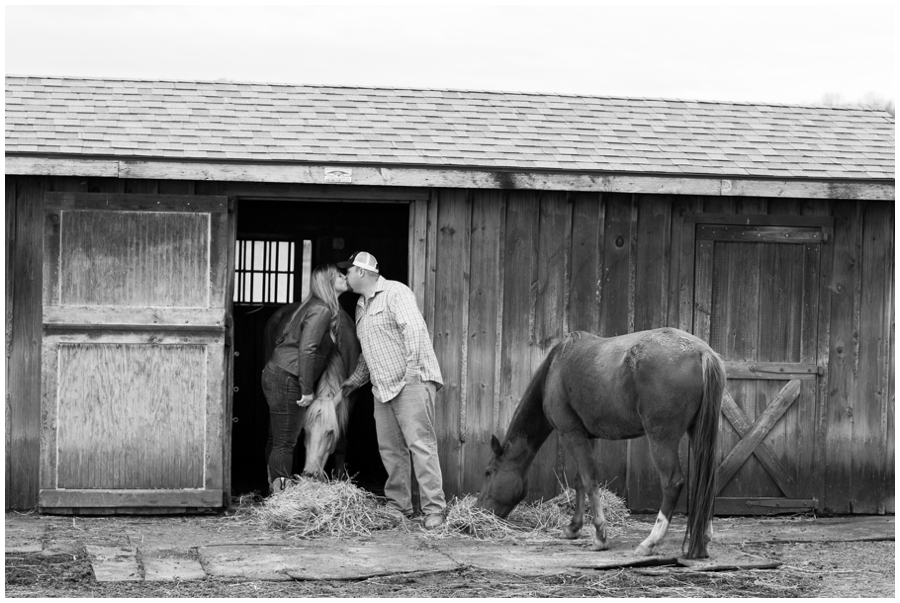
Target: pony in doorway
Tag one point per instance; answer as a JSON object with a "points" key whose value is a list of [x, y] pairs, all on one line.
{"points": [[325, 423]]}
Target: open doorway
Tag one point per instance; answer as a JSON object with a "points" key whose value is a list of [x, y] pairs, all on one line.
{"points": [[278, 244]]}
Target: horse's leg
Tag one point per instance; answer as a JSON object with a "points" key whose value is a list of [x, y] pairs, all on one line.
{"points": [[573, 530], [579, 446], [665, 457]]}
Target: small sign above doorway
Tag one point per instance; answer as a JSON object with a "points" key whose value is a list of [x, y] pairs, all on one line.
{"points": [[338, 175]]}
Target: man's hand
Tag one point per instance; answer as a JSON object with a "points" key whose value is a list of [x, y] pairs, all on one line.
{"points": [[347, 388], [306, 400]]}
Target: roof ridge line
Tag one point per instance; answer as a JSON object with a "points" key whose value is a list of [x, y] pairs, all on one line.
{"points": [[460, 90]]}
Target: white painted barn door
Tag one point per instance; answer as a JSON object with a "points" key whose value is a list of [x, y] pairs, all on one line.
{"points": [[135, 377]]}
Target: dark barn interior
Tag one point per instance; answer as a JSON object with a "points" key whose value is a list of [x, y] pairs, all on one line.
{"points": [[333, 231]]}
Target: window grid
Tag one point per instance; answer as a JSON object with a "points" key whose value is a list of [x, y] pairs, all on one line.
{"points": [[264, 272]]}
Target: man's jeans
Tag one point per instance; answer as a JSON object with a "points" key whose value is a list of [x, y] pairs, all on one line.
{"points": [[406, 425]]}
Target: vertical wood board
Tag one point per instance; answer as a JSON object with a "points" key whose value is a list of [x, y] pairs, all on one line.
{"points": [[450, 329], [868, 443], [521, 354], [229, 353], [483, 322], [585, 283], [611, 457], [418, 227], [549, 322], [651, 287], [681, 265], [843, 370], [519, 266], [888, 424], [10, 230], [24, 369]]}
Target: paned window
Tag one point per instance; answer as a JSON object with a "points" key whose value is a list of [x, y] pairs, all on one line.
{"points": [[265, 271]]}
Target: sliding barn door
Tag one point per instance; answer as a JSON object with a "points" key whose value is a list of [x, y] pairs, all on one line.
{"points": [[135, 370], [758, 290]]}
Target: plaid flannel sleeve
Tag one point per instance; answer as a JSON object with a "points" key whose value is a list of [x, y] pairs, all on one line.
{"points": [[361, 375], [411, 326]]}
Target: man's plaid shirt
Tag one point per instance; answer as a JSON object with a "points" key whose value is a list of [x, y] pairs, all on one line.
{"points": [[396, 347]]}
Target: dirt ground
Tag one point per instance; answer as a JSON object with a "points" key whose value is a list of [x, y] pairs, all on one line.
{"points": [[821, 569]]}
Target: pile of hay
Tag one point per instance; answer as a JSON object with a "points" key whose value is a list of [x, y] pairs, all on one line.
{"points": [[310, 507], [535, 520]]}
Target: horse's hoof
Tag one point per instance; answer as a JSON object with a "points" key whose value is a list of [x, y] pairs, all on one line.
{"points": [[571, 533], [600, 545], [643, 551]]}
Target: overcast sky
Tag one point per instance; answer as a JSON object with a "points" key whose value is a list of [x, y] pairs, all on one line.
{"points": [[789, 54]]}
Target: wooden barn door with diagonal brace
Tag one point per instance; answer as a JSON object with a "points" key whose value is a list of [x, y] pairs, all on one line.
{"points": [[136, 365], [757, 292]]}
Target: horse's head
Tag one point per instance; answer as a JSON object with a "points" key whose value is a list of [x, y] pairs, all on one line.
{"points": [[505, 484], [321, 432], [326, 417]]}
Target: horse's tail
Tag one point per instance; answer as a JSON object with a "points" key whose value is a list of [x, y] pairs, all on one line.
{"points": [[705, 432]]}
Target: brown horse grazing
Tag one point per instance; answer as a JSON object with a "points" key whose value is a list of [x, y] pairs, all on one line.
{"points": [[660, 383], [325, 423]]}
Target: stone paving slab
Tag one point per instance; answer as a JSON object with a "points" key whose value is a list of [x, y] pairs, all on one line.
{"points": [[815, 529], [21, 536], [728, 561], [327, 559], [552, 557], [114, 564], [24, 547], [170, 564]]}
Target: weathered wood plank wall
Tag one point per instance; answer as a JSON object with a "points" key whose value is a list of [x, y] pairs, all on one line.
{"points": [[608, 263], [507, 273]]}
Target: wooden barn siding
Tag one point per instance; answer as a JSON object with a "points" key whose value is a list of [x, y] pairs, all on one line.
{"points": [[501, 303], [606, 263]]}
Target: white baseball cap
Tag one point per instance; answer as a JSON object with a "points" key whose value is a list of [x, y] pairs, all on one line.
{"points": [[361, 259]]}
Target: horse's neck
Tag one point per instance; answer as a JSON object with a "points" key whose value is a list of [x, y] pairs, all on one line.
{"points": [[529, 428]]}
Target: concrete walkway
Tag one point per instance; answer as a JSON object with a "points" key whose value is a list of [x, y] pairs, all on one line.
{"points": [[194, 548]]}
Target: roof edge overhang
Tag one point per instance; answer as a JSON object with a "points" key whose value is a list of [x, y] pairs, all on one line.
{"points": [[411, 175]]}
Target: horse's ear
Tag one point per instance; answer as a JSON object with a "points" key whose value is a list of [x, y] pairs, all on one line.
{"points": [[495, 446]]}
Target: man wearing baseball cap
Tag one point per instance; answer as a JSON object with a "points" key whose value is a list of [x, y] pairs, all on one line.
{"points": [[399, 360]]}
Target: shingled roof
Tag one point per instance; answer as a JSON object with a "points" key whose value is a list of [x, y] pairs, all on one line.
{"points": [[261, 123]]}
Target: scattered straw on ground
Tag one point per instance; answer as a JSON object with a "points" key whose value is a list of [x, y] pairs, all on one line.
{"points": [[311, 508]]}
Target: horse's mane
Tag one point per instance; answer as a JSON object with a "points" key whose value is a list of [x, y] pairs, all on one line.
{"points": [[329, 404]]}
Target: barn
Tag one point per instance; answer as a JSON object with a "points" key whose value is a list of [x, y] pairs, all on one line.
{"points": [[153, 226]]}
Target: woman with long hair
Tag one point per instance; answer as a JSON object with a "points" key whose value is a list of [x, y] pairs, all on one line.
{"points": [[300, 356]]}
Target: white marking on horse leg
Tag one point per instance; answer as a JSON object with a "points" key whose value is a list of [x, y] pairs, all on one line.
{"points": [[655, 538]]}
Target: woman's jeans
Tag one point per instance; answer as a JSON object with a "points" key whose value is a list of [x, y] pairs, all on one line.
{"points": [[285, 419]]}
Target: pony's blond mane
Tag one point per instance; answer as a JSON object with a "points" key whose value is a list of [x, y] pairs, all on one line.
{"points": [[329, 406]]}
